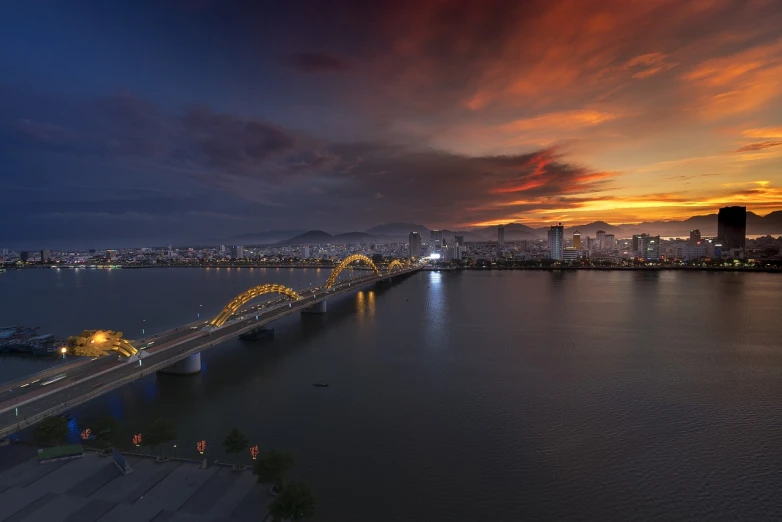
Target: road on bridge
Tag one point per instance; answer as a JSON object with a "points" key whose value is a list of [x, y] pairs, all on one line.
{"points": [[20, 407]]}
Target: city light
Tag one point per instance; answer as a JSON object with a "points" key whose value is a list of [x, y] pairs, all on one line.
{"points": [[201, 446], [254, 451], [137, 440]]}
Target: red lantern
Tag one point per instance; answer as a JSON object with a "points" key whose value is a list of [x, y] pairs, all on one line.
{"points": [[137, 439], [85, 434], [254, 451], [201, 446]]}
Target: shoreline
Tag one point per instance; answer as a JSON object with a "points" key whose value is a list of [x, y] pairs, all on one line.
{"points": [[441, 269]]}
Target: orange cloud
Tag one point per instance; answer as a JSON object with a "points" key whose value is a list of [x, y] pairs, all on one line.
{"points": [[559, 121], [647, 65], [738, 83], [759, 146], [767, 132]]}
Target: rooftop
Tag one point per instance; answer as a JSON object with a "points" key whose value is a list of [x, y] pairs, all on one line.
{"points": [[93, 489]]}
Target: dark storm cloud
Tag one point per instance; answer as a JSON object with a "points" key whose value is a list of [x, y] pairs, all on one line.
{"points": [[227, 141], [433, 186], [316, 63], [197, 139], [266, 165]]}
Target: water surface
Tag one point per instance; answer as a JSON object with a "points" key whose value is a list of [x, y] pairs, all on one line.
{"points": [[483, 395]]}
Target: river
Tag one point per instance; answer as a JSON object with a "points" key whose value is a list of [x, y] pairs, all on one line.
{"points": [[481, 395]]}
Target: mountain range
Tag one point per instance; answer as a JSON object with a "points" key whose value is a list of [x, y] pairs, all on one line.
{"points": [[398, 232]]}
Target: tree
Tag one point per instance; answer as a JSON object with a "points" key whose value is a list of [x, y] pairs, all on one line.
{"points": [[295, 503], [160, 432], [107, 431], [271, 467], [53, 430], [235, 442]]}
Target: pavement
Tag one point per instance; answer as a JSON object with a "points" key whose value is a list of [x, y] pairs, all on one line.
{"points": [[21, 407], [92, 489]]}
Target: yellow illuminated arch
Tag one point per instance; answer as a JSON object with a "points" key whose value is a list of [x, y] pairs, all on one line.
{"points": [[394, 263], [345, 262], [248, 295]]}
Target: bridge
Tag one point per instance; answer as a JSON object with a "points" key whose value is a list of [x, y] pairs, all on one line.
{"points": [[55, 391]]}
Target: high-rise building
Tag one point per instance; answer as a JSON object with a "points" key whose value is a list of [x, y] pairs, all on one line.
{"points": [[501, 236], [635, 243], [452, 253], [305, 252], [651, 247], [577, 240], [646, 246], [238, 252], [695, 236], [46, 255], [601, 237], [570, 254], [414, 243], [111, 254], [5, 252], [610, 241], [24, 256], [732, 227], [522, 245], [436, 237], [556, 240], [222, 249], [459, 240]]}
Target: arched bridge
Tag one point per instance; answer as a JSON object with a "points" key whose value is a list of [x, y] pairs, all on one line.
{"points": [[345, 262], [177, 350], [248, 295], [240, 300], [395, 264]]}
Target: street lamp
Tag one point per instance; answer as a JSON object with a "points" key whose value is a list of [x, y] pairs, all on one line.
{"points": [[199, 311], [142, 326], [63, 350]]}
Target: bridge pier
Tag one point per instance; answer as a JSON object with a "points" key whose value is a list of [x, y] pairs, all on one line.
{"points": [[187, 366], [317, 308]]}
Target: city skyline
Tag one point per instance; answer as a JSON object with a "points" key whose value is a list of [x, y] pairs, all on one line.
{"points": [[172, 122]]}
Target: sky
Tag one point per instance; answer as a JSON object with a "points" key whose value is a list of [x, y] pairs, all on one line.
{"points": [[173, 121]]}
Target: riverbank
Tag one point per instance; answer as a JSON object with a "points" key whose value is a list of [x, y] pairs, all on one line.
{"points": [[628, 268], [777, 269]]}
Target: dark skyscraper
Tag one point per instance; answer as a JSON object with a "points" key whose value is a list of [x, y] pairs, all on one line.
{"points": [[501, 236], [732, 227], [556, 241], [695, 236], [414, 240]]}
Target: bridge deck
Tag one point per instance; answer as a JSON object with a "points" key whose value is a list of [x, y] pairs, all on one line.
{"points": [[21, 408]]}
